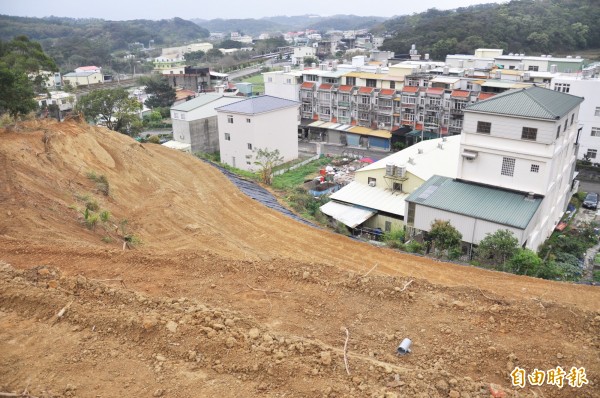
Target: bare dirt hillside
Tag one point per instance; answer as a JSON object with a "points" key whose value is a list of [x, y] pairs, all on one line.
{"points": [[224, 297]]}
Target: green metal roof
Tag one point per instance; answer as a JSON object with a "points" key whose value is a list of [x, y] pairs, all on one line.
{"points": [[486, 203], [532, 102]]}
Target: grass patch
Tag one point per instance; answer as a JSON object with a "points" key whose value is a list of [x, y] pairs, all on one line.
{"points": [[101, 182], [296, 177], [258, 83], [597, 259]]}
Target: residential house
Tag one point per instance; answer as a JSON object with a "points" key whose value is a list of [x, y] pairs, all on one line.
{"points": [[375, 199], [195, 126], [302, 52], [585, 85], [169, 65], [262, 122], [84, 76], [515, 170], [283, 84]]}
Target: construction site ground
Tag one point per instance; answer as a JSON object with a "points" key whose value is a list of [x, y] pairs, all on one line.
{"points": [[223, 297]]}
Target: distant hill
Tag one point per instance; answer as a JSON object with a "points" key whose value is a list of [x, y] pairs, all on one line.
{"points": [[286, 24], [94, 39], [523, 26]]}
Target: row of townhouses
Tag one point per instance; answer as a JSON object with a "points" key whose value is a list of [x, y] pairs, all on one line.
{"points": [[364, 103]]}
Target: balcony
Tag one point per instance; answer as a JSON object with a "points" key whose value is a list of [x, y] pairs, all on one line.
{"points": [[343, 104], [363, 106]]}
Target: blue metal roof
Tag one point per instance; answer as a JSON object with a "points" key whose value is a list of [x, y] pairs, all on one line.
{"points": [[261, 104], [483, 202]]}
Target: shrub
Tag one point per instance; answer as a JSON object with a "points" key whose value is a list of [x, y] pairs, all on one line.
{"points": [[394, 238], [153, 139], [105, 216], [414, 247], [91, 219], [101, 182], [92, 205]]}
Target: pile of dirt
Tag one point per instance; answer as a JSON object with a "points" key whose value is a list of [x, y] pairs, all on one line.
{"points": [[188, 288]]}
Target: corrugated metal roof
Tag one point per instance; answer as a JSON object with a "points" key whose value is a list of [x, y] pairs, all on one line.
{"points": [[534, 102], [199, 101], [482, 202], [349, 215], [378, 197], [367, 131], [261, 104], [424, 159], [318, 123], [328, 125], [445, 80]]}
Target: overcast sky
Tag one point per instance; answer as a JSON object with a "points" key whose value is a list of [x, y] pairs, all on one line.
{"points": [[229, 9]]}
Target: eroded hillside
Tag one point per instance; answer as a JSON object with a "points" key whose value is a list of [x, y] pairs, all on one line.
{"points": [[224, 297]]}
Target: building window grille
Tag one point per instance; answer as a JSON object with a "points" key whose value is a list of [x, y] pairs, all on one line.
{"points": [[535, 168], [529, 133], [484, 127], [508, 167]]}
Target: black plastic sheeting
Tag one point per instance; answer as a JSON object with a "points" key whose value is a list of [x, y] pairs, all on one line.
{"points": [[259, 194]]}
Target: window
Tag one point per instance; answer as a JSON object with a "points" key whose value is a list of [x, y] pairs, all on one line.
{"points": [[270, 80], [397, 186], [566, 124], [183, 116], [351, 81], [595, 131], [371, 83], [591, 153], [227, 137], [248, 120], [229, 119], [393, 85], [508, 167], [372, 181], [597, 112], [288, 81], [558, 131], [572, 118], [484, 127], [388, 226], [365, 100], [529, 133], [533, 68], [469, 86], [562, 87], [249, 146], [535, 168], [175, 115], [248, 162]]}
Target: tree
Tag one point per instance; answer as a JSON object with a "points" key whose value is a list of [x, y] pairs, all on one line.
{"points": [[444, 236], [267, 160], [525, 262], [194, 55], [21, 60], [114, 107], [310, 60], [160, 92], [497, 248]]}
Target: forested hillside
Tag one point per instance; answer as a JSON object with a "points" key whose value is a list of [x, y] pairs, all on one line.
{"points": [[524, 26], [72, 41]]}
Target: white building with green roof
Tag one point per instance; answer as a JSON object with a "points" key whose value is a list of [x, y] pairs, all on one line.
{"points": [[522, 142]]}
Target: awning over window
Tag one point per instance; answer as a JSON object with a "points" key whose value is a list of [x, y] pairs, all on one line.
{"points": [[349, 215]]}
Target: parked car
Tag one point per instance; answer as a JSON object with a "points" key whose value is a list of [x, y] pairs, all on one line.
{"points": [[591, 201]]}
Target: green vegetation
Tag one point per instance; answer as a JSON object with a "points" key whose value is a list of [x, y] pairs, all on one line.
{"points": [[112, 107], [76, 42], [161, 94], [266, 160], [296, 177], [21, 58], [524, 26], [305, 204], [444, 236], [101, 182], [394, 238], [497, 248], [258, 83]]}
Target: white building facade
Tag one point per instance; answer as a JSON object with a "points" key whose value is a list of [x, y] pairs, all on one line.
{"points": [[264, 122]]}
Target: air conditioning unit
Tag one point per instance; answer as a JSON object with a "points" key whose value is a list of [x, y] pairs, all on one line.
{"points": [[389, 169], [400, 171], [372, 183]]}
